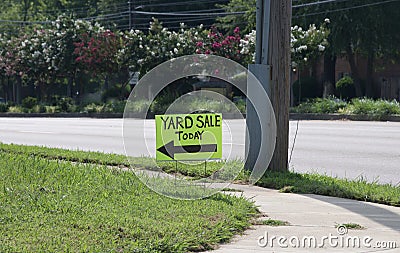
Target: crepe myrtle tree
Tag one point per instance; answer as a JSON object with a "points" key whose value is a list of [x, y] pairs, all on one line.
{"points": [[45, 54], [31, 57], [308, 45], [159, 44], [70, 48], [232, 46]]}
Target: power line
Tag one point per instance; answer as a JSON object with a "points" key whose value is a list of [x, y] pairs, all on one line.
{"points": [[106, 16], [188, 14], [182, 3], [344, 9], [200, 14], [318, 3]]}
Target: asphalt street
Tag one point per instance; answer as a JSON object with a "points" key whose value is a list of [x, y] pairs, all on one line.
{"points": [[338, 148]]}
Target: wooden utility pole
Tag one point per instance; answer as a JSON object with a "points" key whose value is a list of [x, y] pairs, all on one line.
{"points": [[279, 58], [272, 69]]}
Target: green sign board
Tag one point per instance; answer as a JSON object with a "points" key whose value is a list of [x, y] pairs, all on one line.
{"points": [[188, 137]]}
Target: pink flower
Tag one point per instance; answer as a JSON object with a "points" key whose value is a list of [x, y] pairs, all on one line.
{"points": [[225, 42], [199, 44], [237, 30], [216, 45], [207, 51]]}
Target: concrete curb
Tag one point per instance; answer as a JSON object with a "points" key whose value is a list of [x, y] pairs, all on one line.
{"points": [[293, 116], [351, 117], [92, 115], [62, 115]]}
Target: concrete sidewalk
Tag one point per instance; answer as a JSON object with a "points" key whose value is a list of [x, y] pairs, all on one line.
{"points": [[312, 216]]}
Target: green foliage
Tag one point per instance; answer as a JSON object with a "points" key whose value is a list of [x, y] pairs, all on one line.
{"points": [[373, 107], [241, 105], [305, 88], [163, 101], [93, 108], [4, 107], [345, 87], [308, 45], [320, 105], [98, 209], [246, 22], [29, 102], [358, 189], [138, 105], [52, 109], [354, 226], [38, 109], [116, 92], [112, 106], [66, 104], [360, 106], [275, 223], [16, 109]]}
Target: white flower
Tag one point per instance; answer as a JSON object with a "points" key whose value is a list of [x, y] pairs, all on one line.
{"points": [[301, 48], [176, 50], [244, 50], [244, 43], [321, 48], [305, 59], [327, 20]]}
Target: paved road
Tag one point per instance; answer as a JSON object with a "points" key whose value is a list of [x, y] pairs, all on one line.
{"points": [[342, 148]]}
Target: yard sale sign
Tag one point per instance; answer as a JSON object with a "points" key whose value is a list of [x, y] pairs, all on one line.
{"points": [[188, 137]]}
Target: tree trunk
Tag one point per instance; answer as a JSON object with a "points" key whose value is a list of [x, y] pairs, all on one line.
{"points": [[369, 89], [106, 82], [354, 71], [18, 89], [279, 58], [70, 87], [329, 75]]}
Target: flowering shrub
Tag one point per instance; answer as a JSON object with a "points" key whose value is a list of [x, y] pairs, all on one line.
{"points": [[68, 47], [233, 47], [160, 44], [307, 45], [97, 54]]}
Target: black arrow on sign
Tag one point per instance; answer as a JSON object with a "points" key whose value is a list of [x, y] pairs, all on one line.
{"points": [[170, 149]]}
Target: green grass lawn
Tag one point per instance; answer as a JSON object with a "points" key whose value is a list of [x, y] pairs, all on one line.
{"points": [[49, 205], [313, 183], [358, 189]]}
